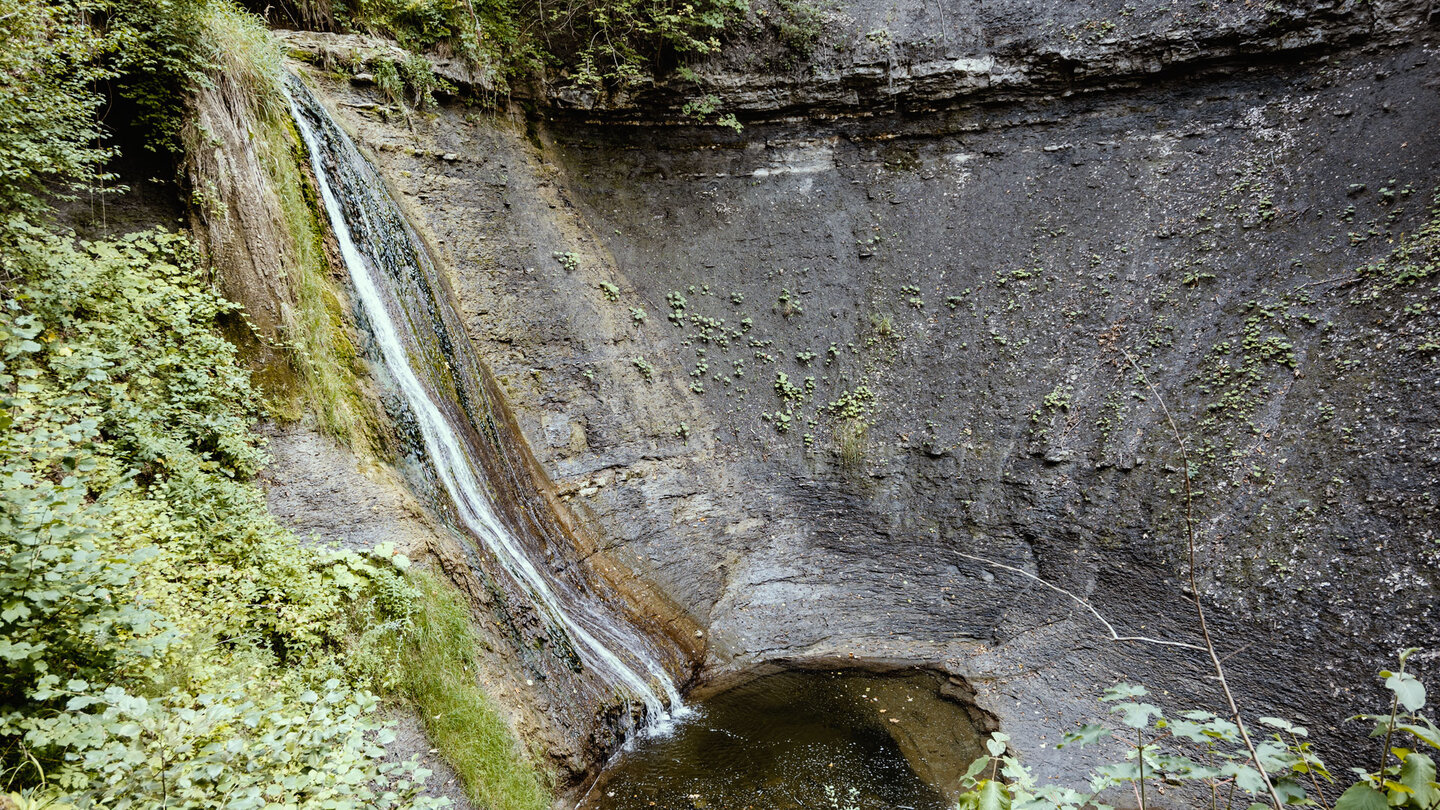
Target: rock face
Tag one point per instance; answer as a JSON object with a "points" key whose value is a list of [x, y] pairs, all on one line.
{"points": [[864, 57], [952, 330]]}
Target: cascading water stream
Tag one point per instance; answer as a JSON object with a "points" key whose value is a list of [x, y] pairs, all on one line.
{"points": [[369, 228]]}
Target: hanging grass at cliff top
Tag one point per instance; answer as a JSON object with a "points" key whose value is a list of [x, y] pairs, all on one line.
{"points": [[244, 98]]}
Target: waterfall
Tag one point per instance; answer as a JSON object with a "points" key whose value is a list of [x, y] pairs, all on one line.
{"points": [[427, 354]]}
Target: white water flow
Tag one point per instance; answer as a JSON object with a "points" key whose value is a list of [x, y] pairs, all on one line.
{"points": [[447, 452]]}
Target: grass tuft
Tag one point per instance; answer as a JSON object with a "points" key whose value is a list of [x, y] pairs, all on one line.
{"points": [[439, 676], [850, 439]]}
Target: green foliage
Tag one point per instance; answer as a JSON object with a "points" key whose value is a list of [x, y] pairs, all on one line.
{"points": [[415, 24], [597, 45], [788, 305], [643, 366], [311, 750], [387, 78], [856, 404], [60, 55], [162, 635], [1204, 749], [48, 104], [701, 109], [1416, 258], [619, 43], [409, 82], [1406, 777], [884, 325], [800, 25], [438, 674]]}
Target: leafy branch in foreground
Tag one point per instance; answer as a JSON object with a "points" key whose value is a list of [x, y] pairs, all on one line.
{"points": [[1406, 778], [1204, 749]]}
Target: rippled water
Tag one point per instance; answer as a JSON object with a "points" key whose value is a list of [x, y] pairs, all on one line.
{"points": [[801, 740]]}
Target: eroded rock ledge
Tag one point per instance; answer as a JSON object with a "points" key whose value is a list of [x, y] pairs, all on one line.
{"points": [[903, 57], [875, 56]]}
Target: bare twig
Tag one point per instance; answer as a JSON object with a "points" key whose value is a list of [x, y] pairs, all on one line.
{"points": [[1314, 778], [1195, 588], [1237, 652], [1114, 636]]}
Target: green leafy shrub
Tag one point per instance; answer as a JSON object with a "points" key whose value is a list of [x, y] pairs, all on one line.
{"points": [[48, 104], [622, 43], [598, 45], [162, 635], [1209, 751]]}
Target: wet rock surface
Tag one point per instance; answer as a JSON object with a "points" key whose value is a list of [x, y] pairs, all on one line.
{"points": [[985, 272]]}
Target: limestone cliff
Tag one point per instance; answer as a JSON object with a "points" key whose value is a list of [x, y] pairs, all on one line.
{"points": [[959, 230]]}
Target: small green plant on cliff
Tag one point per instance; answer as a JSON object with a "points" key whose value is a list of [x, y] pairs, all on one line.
{"points": [[788, 305], [852, 411], [646, 370], [883, 325], [1416, 258], [568, 260], [409, 82], [701, 109]]}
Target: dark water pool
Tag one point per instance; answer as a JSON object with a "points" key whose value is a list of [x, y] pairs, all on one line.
{"points": [[802, 739]]}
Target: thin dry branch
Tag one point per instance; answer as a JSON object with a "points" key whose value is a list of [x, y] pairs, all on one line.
{"points": [[1110, 628], [1215, 661]]}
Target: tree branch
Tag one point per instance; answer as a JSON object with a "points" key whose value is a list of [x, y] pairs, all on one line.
{"points": [[1114, 636], [1195, 588]]}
